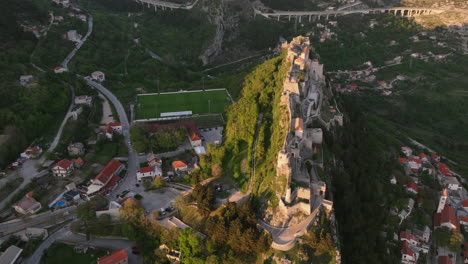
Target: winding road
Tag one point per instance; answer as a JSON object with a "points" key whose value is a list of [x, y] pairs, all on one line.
{"points": [[78, 46], [132, 164]]}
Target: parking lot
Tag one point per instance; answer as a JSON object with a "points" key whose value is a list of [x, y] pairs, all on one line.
{"points": [[157, 199]]}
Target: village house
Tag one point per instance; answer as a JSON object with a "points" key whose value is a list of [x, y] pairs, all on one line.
{"points": [[111, 128], [78, 163], [117, 257], [58, 18], [27, 79], [32, 152], [444, 169], [435, 157], [83, 99], [411, 239], [27, 205], [76, 149], [73, 35], [403, 214], [63, 168], [407, 254], [414, 164], [148, 173], [179, 166], [463, 221], [412, 187], [112, 169], [81, 17], [464, 204], [447, 218], [59, 69], [407, 151], [152, 160], [98, 76], [423, 157]]}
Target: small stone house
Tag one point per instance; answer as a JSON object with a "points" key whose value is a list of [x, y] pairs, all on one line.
{"points": [[76, 149]]}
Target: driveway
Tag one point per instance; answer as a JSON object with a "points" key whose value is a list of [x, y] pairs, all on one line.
{"points": [[106, 111]]}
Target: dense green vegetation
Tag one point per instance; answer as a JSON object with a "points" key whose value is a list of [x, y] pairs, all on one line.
{"points": [[374, 45], [27, 113], [358, 186]]}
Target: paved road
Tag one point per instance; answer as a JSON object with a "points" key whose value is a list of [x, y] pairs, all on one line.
{"points": [[19, 224], [56, 140], [79, 44], [132, 165], [65, 235]]}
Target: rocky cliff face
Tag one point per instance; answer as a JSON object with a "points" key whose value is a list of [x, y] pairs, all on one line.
{"points": [[226, 15]]}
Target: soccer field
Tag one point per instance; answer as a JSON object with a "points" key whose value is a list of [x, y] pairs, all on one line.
{"points": [[203, 102]]}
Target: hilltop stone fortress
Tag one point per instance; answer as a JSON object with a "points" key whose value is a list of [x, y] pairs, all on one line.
{"points": [[300, 105]]}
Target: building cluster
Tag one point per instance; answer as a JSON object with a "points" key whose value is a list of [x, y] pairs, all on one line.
{"points": [[325, 31], [452, 208]]}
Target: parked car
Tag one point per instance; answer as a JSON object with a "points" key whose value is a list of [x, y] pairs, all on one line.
{"points": [[163, 211]]}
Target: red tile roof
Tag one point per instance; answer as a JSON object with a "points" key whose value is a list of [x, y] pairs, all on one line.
{"points": [[79, 161], [114, 124], [105, 175], [402, 160], [408, 236], [446, 216], [63, 164], [464, 219], [434, 155], [412, 185], [114, 257], [444, 260], [444, 169], [407, 250], [465, 203], [418, 161], [154, 160], [111, 183], [146, 169], [422, 156], [178, 164]]}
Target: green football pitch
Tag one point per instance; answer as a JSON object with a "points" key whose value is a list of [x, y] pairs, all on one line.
{"points": [[204, 102]]}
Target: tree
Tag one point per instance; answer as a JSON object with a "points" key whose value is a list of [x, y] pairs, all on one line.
{"points": [[86, 213], [159, 182], [131, 210], [455, 240], [190, 245]]}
